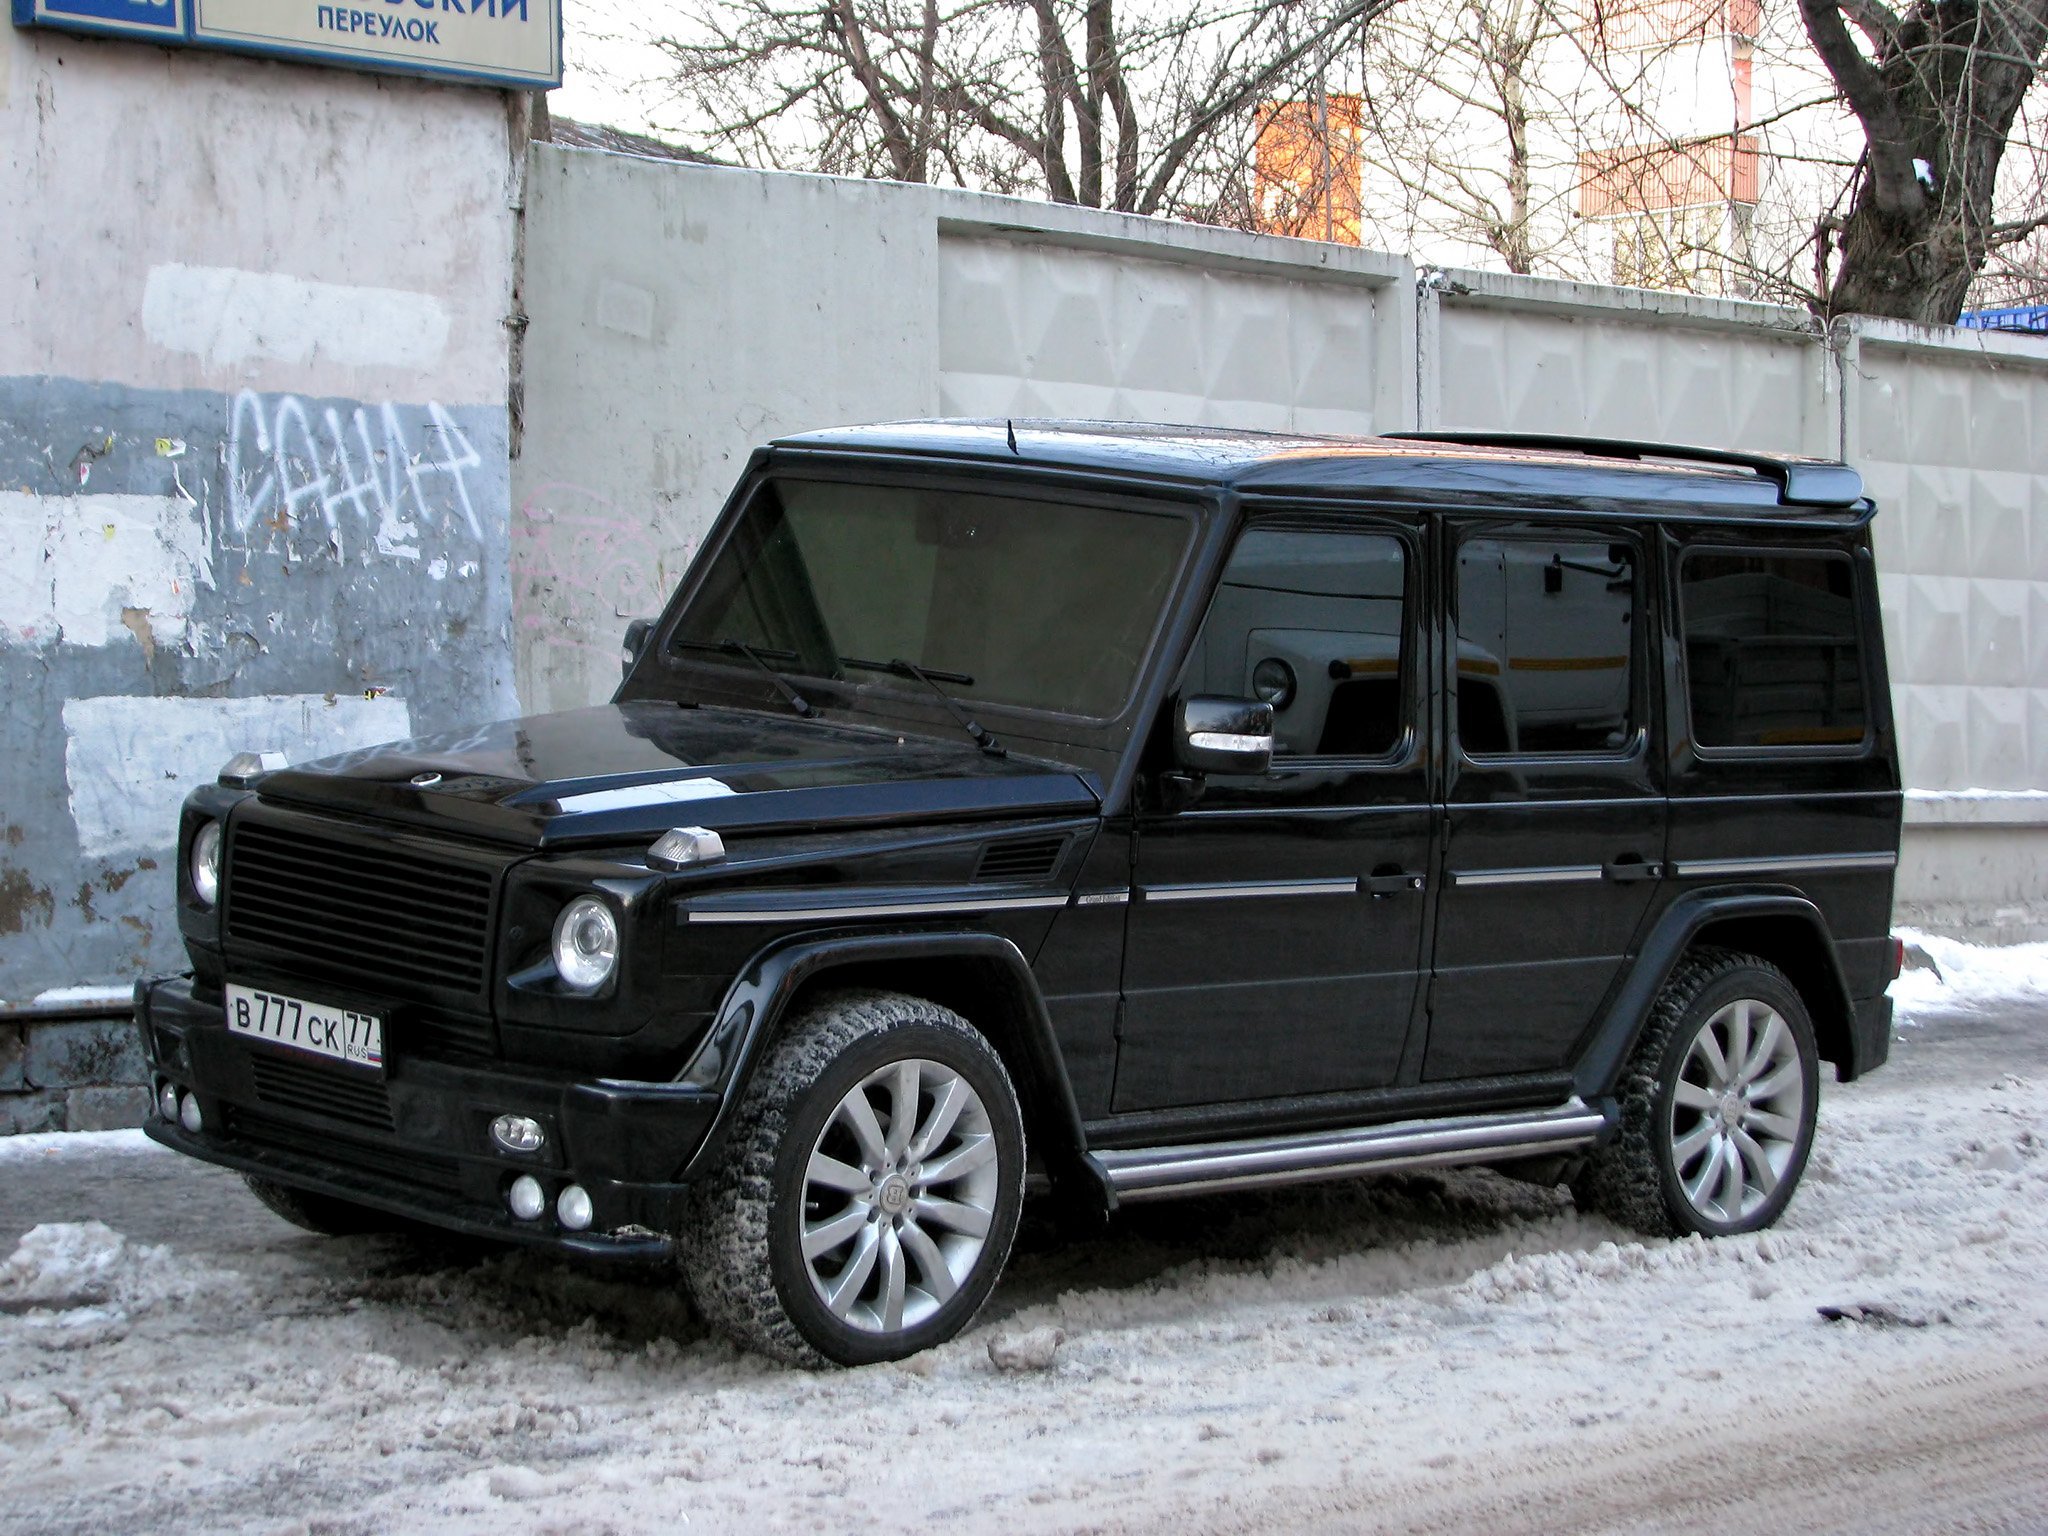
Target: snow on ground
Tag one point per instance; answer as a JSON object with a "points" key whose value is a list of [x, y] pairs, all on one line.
{"points": [[1438, 1352]]}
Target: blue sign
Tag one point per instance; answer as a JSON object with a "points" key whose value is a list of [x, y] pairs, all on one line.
{"points": [[516, 43], [151, 18]]}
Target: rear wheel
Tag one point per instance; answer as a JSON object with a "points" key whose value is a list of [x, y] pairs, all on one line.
{"points": [[1718, 1105], [325, 1214], [869, 1190]]}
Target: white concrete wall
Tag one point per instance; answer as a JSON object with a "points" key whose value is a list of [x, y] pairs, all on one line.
{"points": [[719, 308], [1950, 429], [253, 461]]}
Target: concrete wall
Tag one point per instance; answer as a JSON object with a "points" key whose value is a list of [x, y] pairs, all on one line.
{"points": [[721, 307], [253, 458]]}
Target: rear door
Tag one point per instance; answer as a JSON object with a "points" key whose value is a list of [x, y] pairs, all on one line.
{"points": [[1555, 816]]}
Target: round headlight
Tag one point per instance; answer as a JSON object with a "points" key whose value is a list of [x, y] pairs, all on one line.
{"points": [[1273, 681], [205, 867], [586, 943]]}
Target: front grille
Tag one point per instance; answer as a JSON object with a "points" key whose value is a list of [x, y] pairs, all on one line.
{"points": [[322, 1091], [379, 915], [1020, 858], [401, 1164]]}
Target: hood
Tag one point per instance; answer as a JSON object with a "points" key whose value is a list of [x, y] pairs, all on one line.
{"points": [[624, 772]]}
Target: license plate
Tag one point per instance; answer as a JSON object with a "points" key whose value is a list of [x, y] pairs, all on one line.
{"points": [[320, 1029]]}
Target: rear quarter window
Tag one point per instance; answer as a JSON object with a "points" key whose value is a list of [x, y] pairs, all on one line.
{"points": [[1773, 650]]}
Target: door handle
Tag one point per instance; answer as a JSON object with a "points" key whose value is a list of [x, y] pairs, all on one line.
{"points": [[1633, 867], [1391, 882]]}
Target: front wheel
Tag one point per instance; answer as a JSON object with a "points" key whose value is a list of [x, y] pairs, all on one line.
{"points": [[1718, 1105], [870, 1188]]}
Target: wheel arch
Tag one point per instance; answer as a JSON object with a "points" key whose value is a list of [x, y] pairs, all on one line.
{"points": [[1776, 925], [983, 977]]}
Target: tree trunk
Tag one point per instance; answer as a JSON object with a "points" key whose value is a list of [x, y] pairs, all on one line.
{"points": [[1936, 104]]}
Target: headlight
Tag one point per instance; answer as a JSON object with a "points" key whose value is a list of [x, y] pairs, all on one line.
{"points": [[1273, 682], [586, 943], [205, 863]]}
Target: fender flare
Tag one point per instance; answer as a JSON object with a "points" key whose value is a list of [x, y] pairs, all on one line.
{"points": [[761, 994], [1826, 989]]}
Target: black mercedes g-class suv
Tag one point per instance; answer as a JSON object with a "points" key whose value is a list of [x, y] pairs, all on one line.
{"points": [[1135, 810]]}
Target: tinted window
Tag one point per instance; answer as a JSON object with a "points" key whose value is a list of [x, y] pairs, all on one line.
{"points": [[1032, 603], [1771, 652], [1310, 622], [1545, 646]]}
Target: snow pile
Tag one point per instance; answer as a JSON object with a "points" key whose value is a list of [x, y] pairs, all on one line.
{"points": [[1949, 974], [88, 1274]]}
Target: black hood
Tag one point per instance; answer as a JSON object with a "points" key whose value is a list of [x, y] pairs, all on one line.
{"points": [[620, 772]]}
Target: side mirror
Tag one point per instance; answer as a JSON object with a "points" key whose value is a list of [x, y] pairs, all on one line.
{"points": [[635, 642], [1214, 735]]}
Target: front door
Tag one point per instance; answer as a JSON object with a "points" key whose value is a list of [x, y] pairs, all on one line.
{"points": [[1275, 932], [1555, 819]]}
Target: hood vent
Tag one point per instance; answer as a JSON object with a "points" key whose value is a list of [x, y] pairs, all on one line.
{"points": [[1020, 859]]}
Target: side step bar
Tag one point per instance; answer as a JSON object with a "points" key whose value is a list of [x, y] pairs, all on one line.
{"points": [[1153, 1173]]}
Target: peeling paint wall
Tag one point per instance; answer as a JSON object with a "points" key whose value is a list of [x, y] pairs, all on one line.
{"points": [[253, 454]]}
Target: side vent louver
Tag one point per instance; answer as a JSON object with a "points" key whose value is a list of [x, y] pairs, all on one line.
{"points": [[1019, 859]]}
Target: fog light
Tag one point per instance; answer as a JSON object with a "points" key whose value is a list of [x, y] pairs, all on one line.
{"points": [[167, 1102], [189, 1116], [526, 1197], [518, 1133], [574, 1208]]}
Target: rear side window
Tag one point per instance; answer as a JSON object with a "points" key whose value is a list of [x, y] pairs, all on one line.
{"points": [[1545, 646], [1773, 654]]}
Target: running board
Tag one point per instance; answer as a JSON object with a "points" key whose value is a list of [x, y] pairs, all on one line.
{"points": [[1153, 1173]]}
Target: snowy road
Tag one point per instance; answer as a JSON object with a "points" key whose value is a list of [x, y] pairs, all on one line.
{"points": [[1445, 1352]]}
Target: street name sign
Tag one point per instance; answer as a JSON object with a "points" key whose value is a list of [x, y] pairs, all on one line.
{"points": [[515, 43]]}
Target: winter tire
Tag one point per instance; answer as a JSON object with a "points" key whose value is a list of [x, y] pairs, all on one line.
{"points": [[869, 1189], [324, 1214], [1718, 1105]]}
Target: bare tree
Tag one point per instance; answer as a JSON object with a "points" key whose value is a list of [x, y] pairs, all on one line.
{"points": [[1067, 99], [1937, 89]]}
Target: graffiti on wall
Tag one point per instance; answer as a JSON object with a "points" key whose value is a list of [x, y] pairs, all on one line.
{"points": [[359, 472]]}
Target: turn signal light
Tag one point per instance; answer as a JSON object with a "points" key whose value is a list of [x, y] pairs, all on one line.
{"points": [[518, 1133]]}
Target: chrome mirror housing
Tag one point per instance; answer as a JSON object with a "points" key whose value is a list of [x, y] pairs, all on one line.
{"points": [[1219, 735]]}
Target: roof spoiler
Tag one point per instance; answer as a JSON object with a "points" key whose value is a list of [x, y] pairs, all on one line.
{"points": [[1800, 482]]}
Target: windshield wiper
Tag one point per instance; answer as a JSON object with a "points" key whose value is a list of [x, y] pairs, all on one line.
{"points": [[731, 647], [981, 735]]}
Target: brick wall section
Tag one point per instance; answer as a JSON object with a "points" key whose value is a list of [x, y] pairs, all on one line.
{"points": [[71, 1075]]}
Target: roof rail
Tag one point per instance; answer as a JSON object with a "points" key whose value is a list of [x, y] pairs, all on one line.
{"points": [[1800, 482]]}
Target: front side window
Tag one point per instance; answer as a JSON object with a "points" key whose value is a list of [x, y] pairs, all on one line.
{"points": [[1546, 646], [1003, 600], [1772, 656], [1310, 622]]}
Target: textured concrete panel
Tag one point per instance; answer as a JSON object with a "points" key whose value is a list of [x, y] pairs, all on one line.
{"points": [[106, 1109], [718, 309], [1046, 329], [1615, 372]]}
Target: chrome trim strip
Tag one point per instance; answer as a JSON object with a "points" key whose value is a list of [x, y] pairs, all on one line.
{"points": [[1559, 875], [1101, 898], [1783, 864], [938, 907], [1347, 886], [1156, 1172]]}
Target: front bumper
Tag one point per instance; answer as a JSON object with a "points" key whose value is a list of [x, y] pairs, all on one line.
{"points": [[415, 1141]]}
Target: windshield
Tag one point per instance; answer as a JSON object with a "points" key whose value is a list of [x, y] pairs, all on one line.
{"points": [[1038, 604]]}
